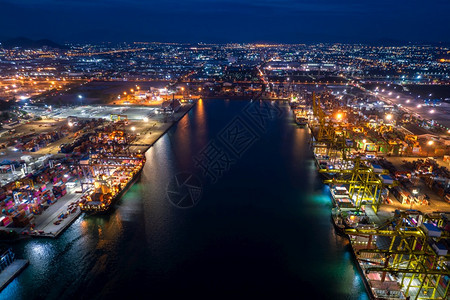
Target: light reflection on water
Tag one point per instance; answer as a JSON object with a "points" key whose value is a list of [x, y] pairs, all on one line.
{"points": [[263, 229]]}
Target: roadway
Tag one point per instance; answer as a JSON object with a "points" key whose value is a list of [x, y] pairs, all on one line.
{"points": [[415, 106]]}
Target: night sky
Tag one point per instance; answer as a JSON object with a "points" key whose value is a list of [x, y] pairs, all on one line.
{"points": [[290, 21]]}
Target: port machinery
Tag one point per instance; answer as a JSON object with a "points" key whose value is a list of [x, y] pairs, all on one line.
{"points": [[407, 258], [366, 182], [329, 138], [321, 123], [97, 165]]}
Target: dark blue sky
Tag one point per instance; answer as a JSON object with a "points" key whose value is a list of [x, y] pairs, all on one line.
{"points": [[291, 21]]}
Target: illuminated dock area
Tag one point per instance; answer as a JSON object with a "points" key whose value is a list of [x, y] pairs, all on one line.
{"points": [[46, 186], [401, 253]]}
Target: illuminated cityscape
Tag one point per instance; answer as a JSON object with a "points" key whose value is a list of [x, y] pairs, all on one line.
{"points": [[240, 167]]}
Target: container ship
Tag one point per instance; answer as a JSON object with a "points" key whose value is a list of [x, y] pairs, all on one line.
{"points": [[344, 213], [107, 189], [301, 114]]}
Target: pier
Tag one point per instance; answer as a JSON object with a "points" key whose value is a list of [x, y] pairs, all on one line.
{"points": [[401, 254], [10, 268]]}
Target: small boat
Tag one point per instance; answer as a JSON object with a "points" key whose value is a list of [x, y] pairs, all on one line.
{"points": [[337, 220], [301, 121]]}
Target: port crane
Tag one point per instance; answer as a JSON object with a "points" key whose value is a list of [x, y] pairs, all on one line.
{"points": [[364, 181], [409, 253]]}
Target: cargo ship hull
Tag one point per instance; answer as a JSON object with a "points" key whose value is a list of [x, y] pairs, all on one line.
{"points": [[98, 208]]}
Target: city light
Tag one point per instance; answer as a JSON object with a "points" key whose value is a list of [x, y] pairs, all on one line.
{"points": [[370, 144]]}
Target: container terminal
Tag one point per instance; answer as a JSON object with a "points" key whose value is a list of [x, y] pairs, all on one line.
{"points": [[395, 213], [75, 160], [64, 162]]}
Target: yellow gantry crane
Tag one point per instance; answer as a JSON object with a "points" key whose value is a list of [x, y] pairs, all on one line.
{"points": [[364, 181], [325, 130], [412, 256], [322, 128]]}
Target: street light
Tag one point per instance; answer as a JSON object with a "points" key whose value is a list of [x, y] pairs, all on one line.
{"points": [[388, 117], [133, 128], [430, 143]]}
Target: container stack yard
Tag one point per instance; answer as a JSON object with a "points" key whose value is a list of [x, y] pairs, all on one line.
{"points": [[27, 203]]}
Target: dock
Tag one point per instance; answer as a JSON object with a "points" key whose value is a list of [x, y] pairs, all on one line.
{"points": [[401, 253], [12, 271], [45, 206]]}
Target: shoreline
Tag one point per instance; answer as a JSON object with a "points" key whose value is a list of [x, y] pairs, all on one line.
{"points": [[79, 212], [12, 271], [171, 125]]}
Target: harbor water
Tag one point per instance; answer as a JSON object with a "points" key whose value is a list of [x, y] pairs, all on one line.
{"points": [[257, 224]]}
